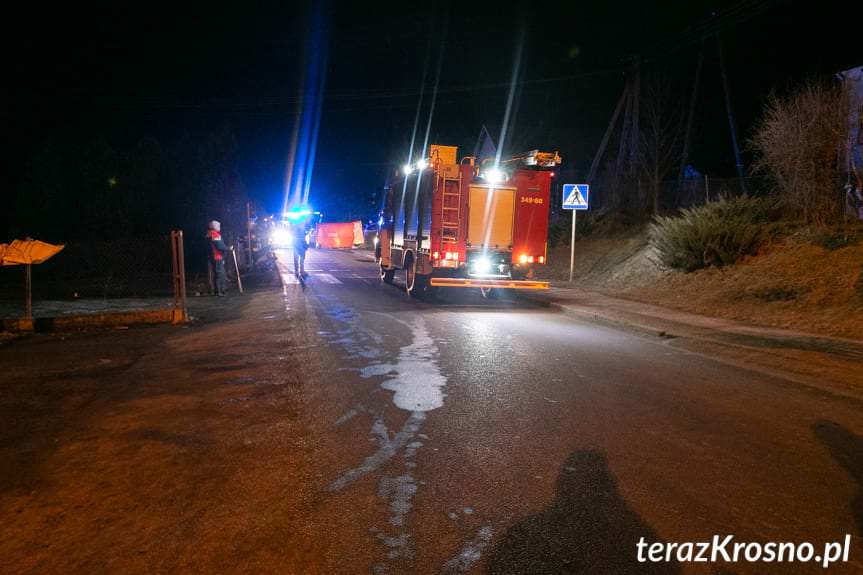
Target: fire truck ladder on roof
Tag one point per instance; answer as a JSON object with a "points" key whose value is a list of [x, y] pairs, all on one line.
{"points": [[451, 211], [534, 159]]}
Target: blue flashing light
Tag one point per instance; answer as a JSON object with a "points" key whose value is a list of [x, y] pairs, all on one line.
{"points": [[295, 215]]}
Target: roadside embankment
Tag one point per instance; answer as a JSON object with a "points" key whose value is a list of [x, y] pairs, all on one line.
{"points": [[795, 282]]}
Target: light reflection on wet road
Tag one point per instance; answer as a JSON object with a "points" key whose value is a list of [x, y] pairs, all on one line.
{"points": [[461, 435]]}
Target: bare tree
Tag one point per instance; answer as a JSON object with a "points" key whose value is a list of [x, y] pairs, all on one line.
{"points": [[797, 142], [661, 138]]}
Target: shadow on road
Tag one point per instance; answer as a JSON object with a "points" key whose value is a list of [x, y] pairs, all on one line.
{"points": [[847, 449], [588, 528]]}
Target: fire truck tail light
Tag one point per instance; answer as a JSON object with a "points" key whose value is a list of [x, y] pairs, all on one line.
{"points": [[541, 259], [530, 259], [522, 259], [448, 255], [455, 256], [435, 255]]}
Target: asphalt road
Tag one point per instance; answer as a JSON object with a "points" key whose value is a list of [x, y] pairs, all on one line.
{"points": [[343, 427]]}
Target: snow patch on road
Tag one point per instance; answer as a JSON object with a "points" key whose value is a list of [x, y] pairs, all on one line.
{"points": [[400, 491], [387, 450], [351, 413], [470, 553], [377, 369], [418, 382]]}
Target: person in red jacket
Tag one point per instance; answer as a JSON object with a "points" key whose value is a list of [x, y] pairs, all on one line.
{"points": [[218, 249]]}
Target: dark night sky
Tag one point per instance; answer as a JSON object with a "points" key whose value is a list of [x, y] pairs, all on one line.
{"points": [[161, 71]]}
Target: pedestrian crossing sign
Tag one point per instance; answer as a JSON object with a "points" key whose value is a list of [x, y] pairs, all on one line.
{"points": [[576, 196]]}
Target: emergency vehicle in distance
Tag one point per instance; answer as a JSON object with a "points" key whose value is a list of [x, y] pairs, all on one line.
{"points": [[468, 224], [339, 235]]}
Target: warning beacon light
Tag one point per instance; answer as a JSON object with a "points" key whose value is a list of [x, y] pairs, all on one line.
{"points": [[297, 214], [494, 176]]}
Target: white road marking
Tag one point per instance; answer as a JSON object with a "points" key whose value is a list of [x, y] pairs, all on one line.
{"points": [[338, 271], [328, 278], [289, 279]]}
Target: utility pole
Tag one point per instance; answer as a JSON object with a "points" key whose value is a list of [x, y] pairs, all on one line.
{"points": [[249, 233], [685, 154], [636, 133], [728, 107], [608, 131], [627, 153], [622, 150], [635, 142]]}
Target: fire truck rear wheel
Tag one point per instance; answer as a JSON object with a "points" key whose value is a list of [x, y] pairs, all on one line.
{"points": [[416, 284], [410, 273], [387, 275]]}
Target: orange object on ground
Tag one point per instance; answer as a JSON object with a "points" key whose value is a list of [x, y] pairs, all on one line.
{"points": [[335, 235], [22, 252]]}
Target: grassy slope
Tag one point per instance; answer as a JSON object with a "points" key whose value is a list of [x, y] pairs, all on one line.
{"points": [[791, 283]]}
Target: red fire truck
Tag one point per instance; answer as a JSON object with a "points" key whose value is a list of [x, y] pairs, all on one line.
{"points": [[468, 224]]}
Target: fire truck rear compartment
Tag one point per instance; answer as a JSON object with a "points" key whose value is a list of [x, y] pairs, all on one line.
{"points": [[491, 212]]}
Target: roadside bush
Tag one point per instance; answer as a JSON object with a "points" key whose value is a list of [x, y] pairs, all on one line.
{"points": [[716, 234], [858, 288], [797, 142], [558, 233]]}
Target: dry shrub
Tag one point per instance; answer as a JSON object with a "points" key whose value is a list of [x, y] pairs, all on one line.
{"points": [[715, 234], [797, 143]]}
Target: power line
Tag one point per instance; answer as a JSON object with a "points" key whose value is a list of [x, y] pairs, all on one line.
{"points": [[278, 101], [720, 21]]}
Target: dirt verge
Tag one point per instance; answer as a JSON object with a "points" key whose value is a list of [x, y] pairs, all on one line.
{"points": [[794, 283]]}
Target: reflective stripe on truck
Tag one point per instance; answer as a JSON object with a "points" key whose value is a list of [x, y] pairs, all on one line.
{"points": [[487, 283]]}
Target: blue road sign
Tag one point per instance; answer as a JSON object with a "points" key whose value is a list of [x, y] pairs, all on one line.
{"points": [[576, 196]]}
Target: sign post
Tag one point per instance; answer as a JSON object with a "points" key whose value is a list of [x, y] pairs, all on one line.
{"points": [[27, 252], [572, 248], [576, 197], [28, 287]]}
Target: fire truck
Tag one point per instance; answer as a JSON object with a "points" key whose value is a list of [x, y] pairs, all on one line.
{"points": [[468, 224]]}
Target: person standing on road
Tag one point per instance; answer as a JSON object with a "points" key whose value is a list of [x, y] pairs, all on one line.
{"points": [[299, 245], [218, 249]]}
